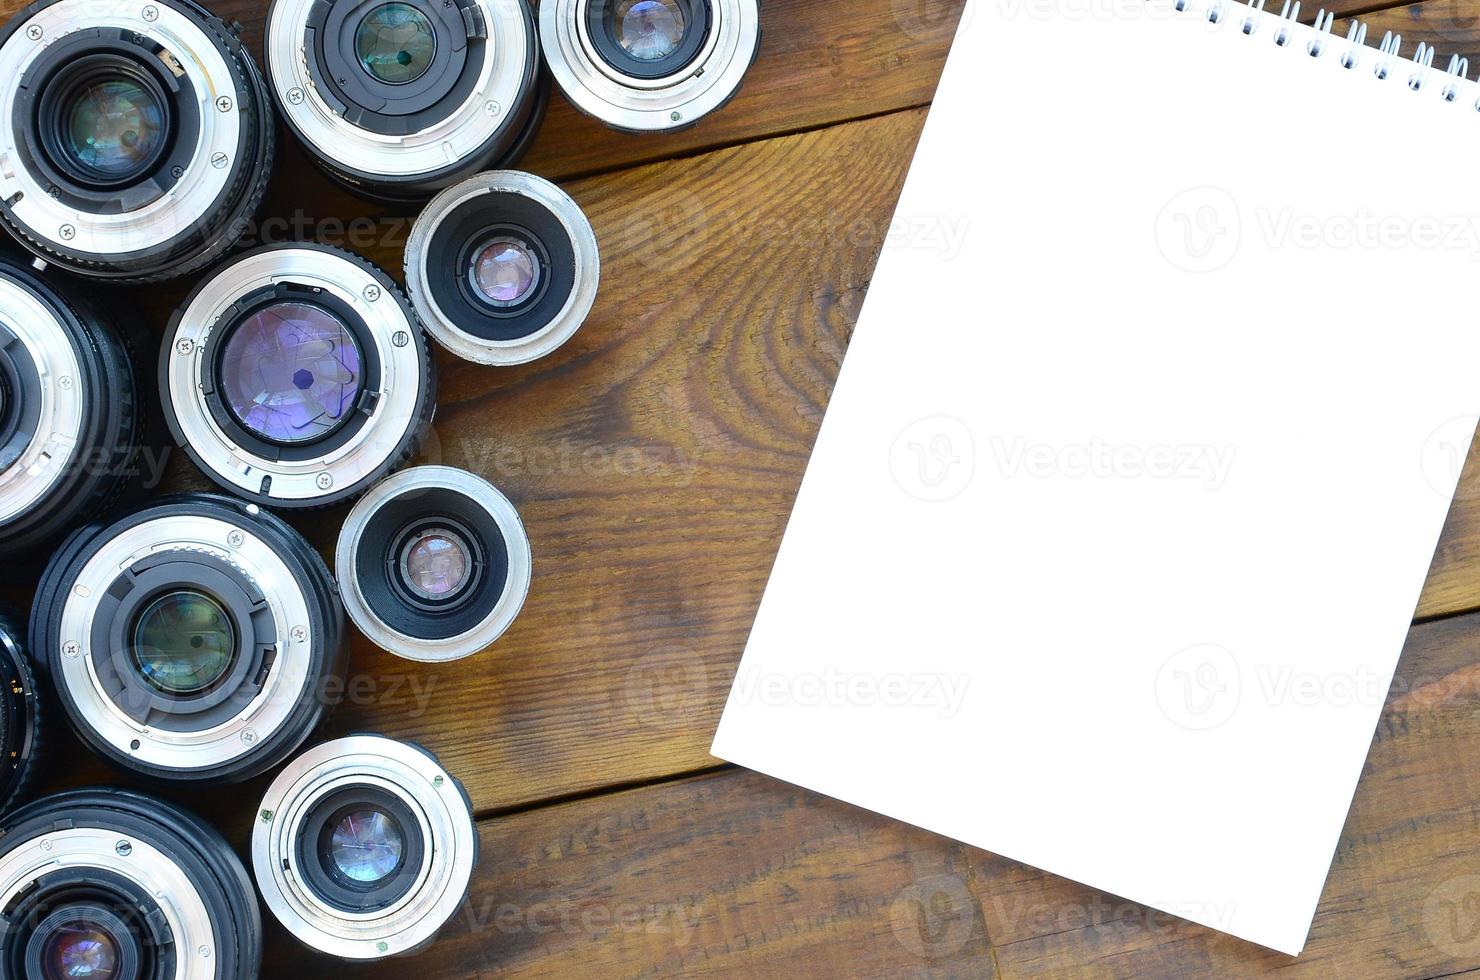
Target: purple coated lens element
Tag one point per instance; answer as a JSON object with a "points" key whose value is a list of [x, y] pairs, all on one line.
{"points": [[505, 271], [650, 30], [77, 949], [291, 372], [435, 564]]}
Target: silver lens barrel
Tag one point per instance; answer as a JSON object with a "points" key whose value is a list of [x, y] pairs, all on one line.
{"points": [[182, 189], [297, 376], [649, 67], [433, 564], [462, 93], [503, 267], [363, 847]]}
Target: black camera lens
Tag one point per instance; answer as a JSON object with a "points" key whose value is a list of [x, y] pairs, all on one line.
{"points": [[71, 422], [433, 563], [140, 138], [132, 888], [297, 375], [396, 100], [503, 267], [649, 65], [19, 717], [364, 847], [196, 639]]}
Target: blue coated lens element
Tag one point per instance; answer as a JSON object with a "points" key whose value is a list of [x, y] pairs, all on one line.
{"points": [[366, 845], [650, 30]]}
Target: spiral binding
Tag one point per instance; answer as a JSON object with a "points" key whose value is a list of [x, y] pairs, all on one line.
{"points": [[1352, 53]]}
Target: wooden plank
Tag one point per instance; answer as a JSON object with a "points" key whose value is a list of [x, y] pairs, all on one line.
{"points": [[737, 873]]}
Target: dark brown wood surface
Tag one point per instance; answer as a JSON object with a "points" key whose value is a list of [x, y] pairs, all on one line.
{"points": [[655, 459]]}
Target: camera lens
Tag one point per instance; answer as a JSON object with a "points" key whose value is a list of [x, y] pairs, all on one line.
{"points": [[397, 100], [364, 847], [70, 418], [130, 888], [649, 65], [194, 639], [503, 267], [297, 376], [142, 136], [19, 715], [433, 563]]}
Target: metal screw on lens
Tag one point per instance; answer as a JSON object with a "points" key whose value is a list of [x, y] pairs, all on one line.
{"points": [[235, 539], [34, 32], [224, 104], [437, 781], [68, 232], [218, 161], [205, 952], [185, 345], [64, 383], [249, 737], [372, 292], [46, 845], [381, 947], [400, 338], [151, 13], [123, 848], [71, 649], [267, 816], [299, 634], [676, 116], [295, 96], [493, 108], [325, 481]]}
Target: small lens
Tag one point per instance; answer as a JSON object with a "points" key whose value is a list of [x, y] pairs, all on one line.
{"points": [[505, 272], [366, 845], [435, 564], [650, 30], [395, 43], [183, 642], [78, 949], [291, 372], [114, 127]]}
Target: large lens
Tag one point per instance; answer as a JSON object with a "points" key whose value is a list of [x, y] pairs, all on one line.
{"points": [[365, 845], [183, 642], [80, 949], [649, 30], [505, 271], [291, 372], [395, 42], [114, 127]]}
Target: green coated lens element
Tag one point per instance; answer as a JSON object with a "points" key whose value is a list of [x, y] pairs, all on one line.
{"points": [[113, 126], [183, 642], [395, 43]]}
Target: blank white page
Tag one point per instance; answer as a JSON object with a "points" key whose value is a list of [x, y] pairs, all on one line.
{"points": [[1121, 509]]}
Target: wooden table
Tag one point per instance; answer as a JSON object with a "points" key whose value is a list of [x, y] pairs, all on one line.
{"points": [[655, 459]]}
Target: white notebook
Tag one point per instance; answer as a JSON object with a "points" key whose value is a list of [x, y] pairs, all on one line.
{"points": [[1118, 517]]}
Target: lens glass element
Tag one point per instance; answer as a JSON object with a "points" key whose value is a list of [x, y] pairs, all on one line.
{"points": [[183, 642], [395, 43], [79, 949], [291, 372], [504, 272], [650, 30], [435, 564], [114, 126], [366, 845]]}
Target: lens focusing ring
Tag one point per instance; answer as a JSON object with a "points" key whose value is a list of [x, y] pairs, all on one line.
{"points": [[475, 105], [192, 197], [167, 892], [389, 390], [424, 805], [700, 74], [497, 206], [72, 423], [265, 578], [368, 561]]}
